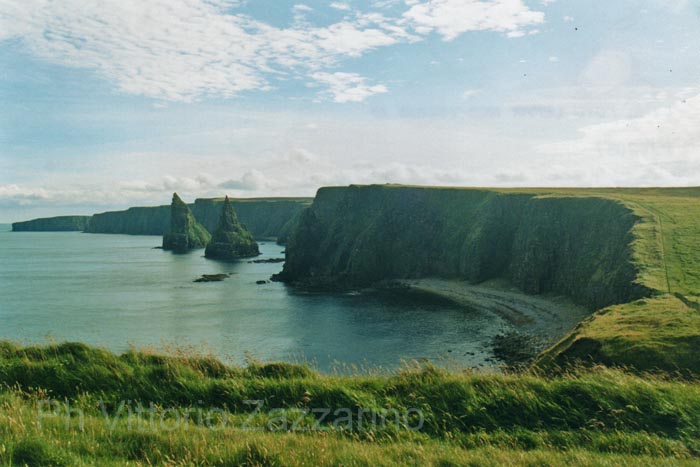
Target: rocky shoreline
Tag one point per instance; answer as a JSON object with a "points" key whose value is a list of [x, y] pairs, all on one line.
{"points": [[549, 317], [538, 321]]}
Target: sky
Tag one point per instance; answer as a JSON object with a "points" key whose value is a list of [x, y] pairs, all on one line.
{"points": [[115, 103]]}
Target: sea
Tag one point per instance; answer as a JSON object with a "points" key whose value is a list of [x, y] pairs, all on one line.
{"points": [[120, 292]]}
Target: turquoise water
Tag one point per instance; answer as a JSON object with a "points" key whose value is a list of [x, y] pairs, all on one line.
{"points": [[117, 290]]}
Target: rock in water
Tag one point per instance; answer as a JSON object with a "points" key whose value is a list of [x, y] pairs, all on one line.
{"points": [[231, 239], [212, 277], [185, 232]]}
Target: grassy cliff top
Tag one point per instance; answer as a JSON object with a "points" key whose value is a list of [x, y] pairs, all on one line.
{"points": [[272, 199]]}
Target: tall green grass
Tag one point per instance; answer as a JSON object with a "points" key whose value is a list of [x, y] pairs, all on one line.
{"points": [[586, 417]]}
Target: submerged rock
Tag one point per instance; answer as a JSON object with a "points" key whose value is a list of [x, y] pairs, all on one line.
{"points": [[185, 232], [212, 277], [517, 349], [267, 260], [231, 239]]}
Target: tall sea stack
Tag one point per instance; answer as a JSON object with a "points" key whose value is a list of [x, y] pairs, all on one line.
{"points": [[185, 232], [231, 239]]}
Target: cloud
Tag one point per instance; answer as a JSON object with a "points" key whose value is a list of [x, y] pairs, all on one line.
{"points": [[608, 69], [340, 6], [674, 5], [128, 192], [302, 7], [451, 18], [252, 180], [414, 174], [122, 194], [301, 155], [661, 147], [348, 87], [15, 194], [180, 50], [183, 50]]}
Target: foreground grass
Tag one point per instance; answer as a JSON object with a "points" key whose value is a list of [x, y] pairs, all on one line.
{"points": [[591, 417]]}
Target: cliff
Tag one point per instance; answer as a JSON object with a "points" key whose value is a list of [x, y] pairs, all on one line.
{"points": [[134, 221], [264, 217], [185, 232], [575, 246], [231, 240], [632, 254], [53, 224]]}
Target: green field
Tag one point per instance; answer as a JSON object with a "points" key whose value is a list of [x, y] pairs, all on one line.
{"points": [[593, 417]]}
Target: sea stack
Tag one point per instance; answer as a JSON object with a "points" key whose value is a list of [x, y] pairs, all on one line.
{"points": [[185, 232], [231, 239]]}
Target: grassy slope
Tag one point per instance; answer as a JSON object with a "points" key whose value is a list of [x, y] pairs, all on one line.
{"points": [[661, 332], [599, 418]]}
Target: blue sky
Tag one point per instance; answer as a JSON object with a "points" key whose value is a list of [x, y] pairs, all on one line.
{"points": [[108, 104]]}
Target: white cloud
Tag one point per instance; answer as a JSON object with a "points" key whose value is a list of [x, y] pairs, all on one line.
{"points": [[674, 5], [168, 184], [661, 147], [301, 155], [609, 69], [22, 196], [451, 18], [252, 183], [181, 50], [348, 87], [340, 6], [252, 180]]}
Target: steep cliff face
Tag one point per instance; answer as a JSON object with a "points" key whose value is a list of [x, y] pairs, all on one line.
{"points": [[53, 224], [574, 246], [185, 232], [580, 247], [265, 217], [231, 240], [134, 221]]}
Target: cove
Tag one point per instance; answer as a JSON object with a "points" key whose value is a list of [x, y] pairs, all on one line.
{"points": [[118, 291]]}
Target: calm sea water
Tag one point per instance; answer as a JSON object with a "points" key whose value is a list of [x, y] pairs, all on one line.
{"points": [[117, 290]]}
